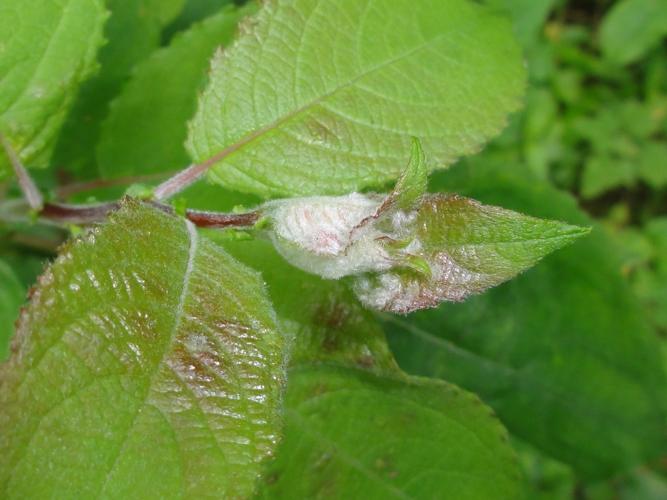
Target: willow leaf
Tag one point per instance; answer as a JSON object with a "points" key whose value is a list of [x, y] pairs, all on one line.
{"points": [[47, 49], [323, 97], [147, 365]]}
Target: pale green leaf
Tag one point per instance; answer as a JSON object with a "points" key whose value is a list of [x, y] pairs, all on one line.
{"points": [[148, 365], [412, 184], [11, 297], [562, 353], [47, 48], [604, 172], [324, 97], [146, 127], [351, 434], [632, 28]]}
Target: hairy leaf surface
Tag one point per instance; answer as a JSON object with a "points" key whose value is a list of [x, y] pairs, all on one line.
{"points": [[47, 49], [146, 127], [147, 365], [554, 351], [468, 248], [352, 434], [356, 435], [323, 97]]}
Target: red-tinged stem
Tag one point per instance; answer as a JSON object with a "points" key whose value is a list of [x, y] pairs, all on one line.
{"points": [[77, 214], [180, 181], [222, 220], [88, 214]]}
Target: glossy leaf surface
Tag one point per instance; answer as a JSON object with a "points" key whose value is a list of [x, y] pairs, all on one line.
{"points": [[147, 364]]}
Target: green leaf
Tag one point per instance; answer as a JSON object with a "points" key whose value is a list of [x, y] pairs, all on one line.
{"points": [[146, 128], [335, 415], [132, 33], [412, 184], [652, 165], [468, 248], [320, 97], [351, 434], [48, 49], [602, 173], [165, 11], [193, 11], [148, 364], [632, 28], [562, 353], [11, 297]]}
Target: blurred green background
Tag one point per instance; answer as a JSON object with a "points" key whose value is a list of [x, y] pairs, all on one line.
{"points": [[595, 125], [595, 122]]}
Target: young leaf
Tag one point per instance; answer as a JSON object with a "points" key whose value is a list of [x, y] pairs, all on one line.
{"points": [[48, 48], [321, 97], [351, 434], [146, 127], [554, 351], [408, 250], [11, 298], [148, 364], [467, 248]]}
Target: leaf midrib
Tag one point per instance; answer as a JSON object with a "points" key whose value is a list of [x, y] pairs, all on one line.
{"points": [[266, 130], [178, 316]]}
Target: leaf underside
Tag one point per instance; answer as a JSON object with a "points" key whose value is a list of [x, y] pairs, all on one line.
{"points": [[147, 364], [321, 97]]}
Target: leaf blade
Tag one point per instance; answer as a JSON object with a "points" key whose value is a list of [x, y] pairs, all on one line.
{"points": [[51, 49], [311, 123], [424, 438], [151, 359]]}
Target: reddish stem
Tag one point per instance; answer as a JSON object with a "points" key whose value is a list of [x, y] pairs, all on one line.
{"points": [[88, 214]]}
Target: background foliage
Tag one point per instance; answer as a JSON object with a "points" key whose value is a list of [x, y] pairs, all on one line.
{"points": [[571, 355]]}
